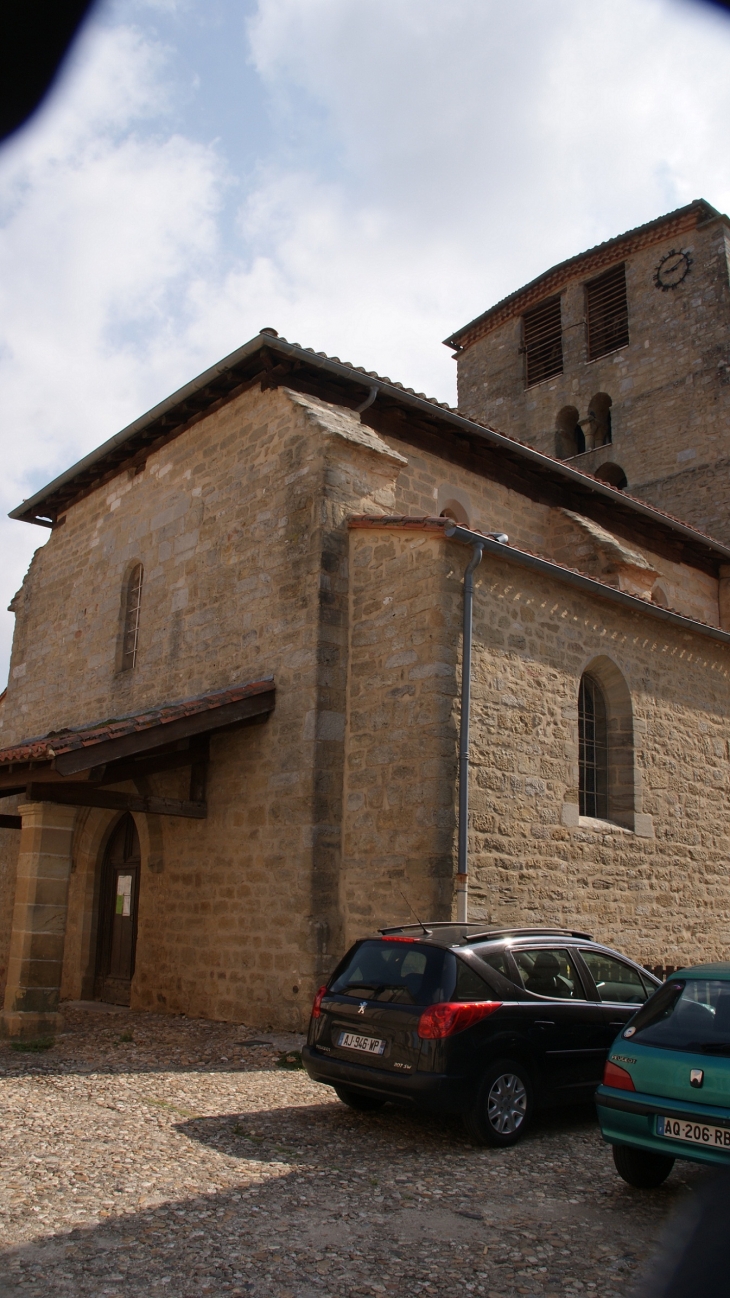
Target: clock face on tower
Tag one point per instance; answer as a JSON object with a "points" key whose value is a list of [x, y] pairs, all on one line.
{"points": [[672, 269]]}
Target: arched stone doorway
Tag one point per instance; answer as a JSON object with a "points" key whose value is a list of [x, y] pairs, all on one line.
{"points": [[118, 906]]}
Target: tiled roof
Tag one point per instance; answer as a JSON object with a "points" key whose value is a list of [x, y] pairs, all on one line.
{"points": [[221, 383], [56, 742], [590, 262]]}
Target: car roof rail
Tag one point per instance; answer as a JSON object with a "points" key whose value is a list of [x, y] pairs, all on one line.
{"points": [[472, 933]]}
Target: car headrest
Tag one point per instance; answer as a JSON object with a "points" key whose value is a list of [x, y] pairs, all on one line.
{"points": [[546, 963]]}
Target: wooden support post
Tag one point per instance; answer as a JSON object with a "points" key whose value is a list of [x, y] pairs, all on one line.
{"points": [[199, 755], [39, 921]]}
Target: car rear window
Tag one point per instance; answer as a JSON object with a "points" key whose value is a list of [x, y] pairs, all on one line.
{"points": [[394, 971], [686, 1015]]}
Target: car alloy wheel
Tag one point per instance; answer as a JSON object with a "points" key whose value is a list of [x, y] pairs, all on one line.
{"points": [[501, 1109], [507, 1104]]}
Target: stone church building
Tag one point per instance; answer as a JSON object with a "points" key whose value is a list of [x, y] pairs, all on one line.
{"points": [[229, 740]]}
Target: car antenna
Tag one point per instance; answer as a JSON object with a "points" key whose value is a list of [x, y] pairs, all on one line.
{"points": [[408, 904]]}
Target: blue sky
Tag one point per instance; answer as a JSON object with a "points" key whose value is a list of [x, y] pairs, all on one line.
{"points": [[363, 175]]}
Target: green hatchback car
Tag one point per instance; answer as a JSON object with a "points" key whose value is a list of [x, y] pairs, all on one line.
{"points": [[666, 1086]]}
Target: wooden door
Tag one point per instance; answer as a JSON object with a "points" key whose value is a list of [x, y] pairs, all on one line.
{"points": [[119, 896]]}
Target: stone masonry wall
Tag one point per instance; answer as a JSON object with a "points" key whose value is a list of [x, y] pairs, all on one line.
{"points": [[670, 386], [663, 898], [661, 891], [400, 756], [240, 525]]}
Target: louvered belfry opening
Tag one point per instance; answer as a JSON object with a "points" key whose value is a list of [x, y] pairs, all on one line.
{"points": [[607, 312], [543, 341]]}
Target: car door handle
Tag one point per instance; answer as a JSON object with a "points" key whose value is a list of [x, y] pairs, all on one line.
{"points": [[544, 1023]]}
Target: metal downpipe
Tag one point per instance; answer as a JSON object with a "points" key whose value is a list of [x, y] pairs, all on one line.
{"points": [[462, 877]]}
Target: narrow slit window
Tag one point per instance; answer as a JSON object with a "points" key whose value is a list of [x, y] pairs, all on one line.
{"points": [[133, 604], [543, 341], [607, 313], [592, 750]]}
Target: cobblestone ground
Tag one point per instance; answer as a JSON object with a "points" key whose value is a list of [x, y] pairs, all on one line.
{"points": [[153, 1155]]}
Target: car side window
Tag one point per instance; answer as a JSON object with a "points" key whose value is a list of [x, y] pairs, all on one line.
{"points": [[615, 981], [496, 960], [549, 972], [469, 986]]}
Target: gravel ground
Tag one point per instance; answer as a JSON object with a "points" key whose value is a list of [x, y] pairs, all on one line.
{"points": [[145, 1154]]}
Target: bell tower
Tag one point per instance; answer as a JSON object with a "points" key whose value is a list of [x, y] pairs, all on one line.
{"points": [[618, 361]]}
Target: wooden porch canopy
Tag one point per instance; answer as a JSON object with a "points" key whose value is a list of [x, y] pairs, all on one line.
{"points": [[75, 767]]}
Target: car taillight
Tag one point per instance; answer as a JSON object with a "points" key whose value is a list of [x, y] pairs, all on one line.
{"points": [[617, 1077], [453, 1016], [317, 1006], [399, 939]]}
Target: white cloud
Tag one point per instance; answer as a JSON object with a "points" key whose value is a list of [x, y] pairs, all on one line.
{"points": [[422, 160], [103, 228]]}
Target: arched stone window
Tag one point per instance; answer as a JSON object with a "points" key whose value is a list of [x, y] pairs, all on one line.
{"points": [[613, 474], [132, 607], [606, 778], [569, 437], [456, 512], [592, 749], [599, 414]]}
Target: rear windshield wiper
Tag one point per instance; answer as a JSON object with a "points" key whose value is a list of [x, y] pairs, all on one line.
{"points": [[713, 1047]]}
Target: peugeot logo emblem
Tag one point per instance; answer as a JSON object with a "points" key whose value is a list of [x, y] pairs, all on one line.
{"points": [[363, 1006], [696, 1076]]}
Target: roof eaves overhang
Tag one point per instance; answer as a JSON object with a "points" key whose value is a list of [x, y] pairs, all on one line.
{"points": [[238, 371], [31, 509], [81, 749]]}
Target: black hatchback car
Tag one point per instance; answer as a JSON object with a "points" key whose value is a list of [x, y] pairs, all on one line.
{"points": [[488, 1024]]}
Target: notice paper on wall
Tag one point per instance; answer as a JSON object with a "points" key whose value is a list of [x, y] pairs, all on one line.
{"points": [[124, 894]]}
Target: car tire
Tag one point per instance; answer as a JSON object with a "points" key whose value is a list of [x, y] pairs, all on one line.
{"points": [[503, 1105], [641, 1168], [358, 1100]]}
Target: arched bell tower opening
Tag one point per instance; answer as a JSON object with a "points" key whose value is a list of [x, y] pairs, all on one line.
{"points": [[117, 918]]}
